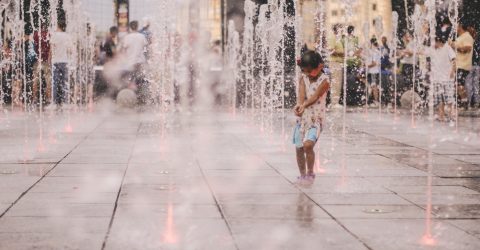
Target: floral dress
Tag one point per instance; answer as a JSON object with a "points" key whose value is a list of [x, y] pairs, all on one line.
{"points": [[310, 125]]}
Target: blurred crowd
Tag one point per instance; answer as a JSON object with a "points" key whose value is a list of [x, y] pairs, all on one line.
{"points": [[159, 69], [385, 73], [47, 68]]}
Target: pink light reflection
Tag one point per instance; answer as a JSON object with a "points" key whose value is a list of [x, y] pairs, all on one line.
{"points": [[170, 235], [68, 128], [428, 240], [41, 147]]}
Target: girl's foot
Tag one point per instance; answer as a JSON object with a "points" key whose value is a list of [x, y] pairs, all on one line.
{"points": [[305, 180], [301, 180], [311, 177]]}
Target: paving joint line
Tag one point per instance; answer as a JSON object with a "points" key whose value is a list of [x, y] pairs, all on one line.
{"points": [[308, 196], [433, 175], [114, 212], [50, 170], [218, 205]]}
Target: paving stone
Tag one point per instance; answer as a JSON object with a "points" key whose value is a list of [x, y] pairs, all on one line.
{"points": [[203, 181]]}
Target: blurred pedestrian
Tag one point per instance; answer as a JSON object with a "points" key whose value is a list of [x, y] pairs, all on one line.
{"points": [[473, 79], [443, 78], [42, 48], [111, 43], [133, 47], [374, 69], [464, 47], [61, 49], [30, 61], [407, 63]]}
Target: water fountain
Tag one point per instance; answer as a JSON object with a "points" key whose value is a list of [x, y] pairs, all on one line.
{"points": [[453, 15], [263, 63], [366, 33], [348, 4], [233, 63], [394, 45], [247, 52], [379, 33], [41, 16], [428, 238], [164, 59]]}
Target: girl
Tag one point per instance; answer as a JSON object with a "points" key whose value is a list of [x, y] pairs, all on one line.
{"points": [[310, 110]]}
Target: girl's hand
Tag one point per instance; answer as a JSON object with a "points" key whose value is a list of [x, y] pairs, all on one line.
{"points": [[296, 110], [300, 110]]}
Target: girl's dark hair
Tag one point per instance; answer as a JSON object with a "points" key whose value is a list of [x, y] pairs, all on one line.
{"points": [[310, 59]]}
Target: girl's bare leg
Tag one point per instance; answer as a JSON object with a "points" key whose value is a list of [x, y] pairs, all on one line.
{"points": [[310, 155], [301, 161]]}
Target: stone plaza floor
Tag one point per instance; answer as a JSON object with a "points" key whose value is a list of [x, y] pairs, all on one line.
{"points": [[203, 180]]}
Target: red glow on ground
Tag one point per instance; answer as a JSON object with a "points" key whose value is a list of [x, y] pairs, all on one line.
{"points": [[52, 139], [41, 147], [428, 240], [170, 236], [68, 128], [318, 167], [90, 107]]}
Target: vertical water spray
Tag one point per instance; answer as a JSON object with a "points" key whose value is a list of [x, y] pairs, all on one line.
{"points": [[263, 69], [281, 62], [23, 55], [394, 45], [431, 13], [233, 53], [163, 73], [453, 15], [418, 39], [366, 34], [3, 62], [247, 51], [379, 33]]}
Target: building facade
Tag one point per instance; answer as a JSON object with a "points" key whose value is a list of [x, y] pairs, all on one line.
{"points": [[363, 12]]}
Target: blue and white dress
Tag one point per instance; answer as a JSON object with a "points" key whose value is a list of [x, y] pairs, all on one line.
{"points": [[310, 125]]}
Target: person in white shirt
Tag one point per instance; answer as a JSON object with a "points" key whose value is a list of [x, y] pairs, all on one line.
{"points": [[443, 70], [408, 62], [61, 48], [133, 47], [374, 66]]}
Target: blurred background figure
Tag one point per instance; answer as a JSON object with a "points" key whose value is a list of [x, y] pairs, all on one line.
{"points": [[43, 84], [133, 46], [336, 64], [109, 46], [61, 48], [148, 35]]}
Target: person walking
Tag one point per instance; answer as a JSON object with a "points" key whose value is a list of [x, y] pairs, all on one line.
{"points": [[443, 78], [61, 49], [464, 47], [473, 79], [133, 47], [110, 44]]}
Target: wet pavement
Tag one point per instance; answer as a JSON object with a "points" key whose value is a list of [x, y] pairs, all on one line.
{"points": [[102, 180]]}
